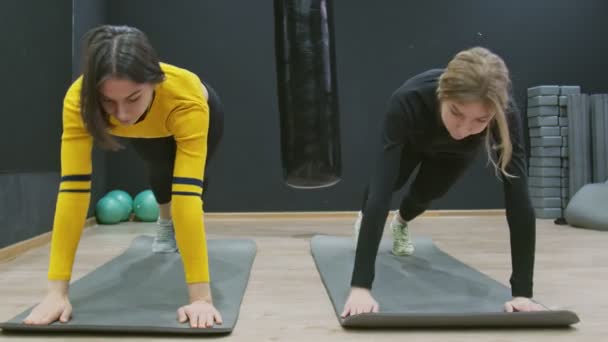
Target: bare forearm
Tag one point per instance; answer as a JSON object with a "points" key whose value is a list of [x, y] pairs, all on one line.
{"points": [[200, 291], [59, 287]]}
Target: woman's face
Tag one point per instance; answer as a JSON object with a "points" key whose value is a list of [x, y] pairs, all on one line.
{"points": [[463, 119], [124, 99]]}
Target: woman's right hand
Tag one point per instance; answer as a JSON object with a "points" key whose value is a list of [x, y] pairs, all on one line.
{"points": [[55, 306], [359, 301]]}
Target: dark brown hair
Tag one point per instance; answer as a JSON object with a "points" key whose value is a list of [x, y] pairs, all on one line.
{"points": [[113, 51]]}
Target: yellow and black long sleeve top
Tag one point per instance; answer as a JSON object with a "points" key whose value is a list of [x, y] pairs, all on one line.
{"points": [[180, 110]]}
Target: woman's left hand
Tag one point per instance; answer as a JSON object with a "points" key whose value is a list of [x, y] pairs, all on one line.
{"points": [[200, 313], [522, 304]]}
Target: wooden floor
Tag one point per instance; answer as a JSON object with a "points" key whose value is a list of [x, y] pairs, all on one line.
{"points": [[286, 301]]}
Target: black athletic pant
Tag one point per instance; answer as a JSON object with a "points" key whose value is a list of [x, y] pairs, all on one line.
{"points": [[159, 153], [437, 173]]}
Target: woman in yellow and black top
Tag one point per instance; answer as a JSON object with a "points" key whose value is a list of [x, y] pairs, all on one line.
{"points": [[174, 122]]}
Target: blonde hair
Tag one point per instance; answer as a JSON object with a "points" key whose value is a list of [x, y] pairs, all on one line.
{"points": [[477, 74]]}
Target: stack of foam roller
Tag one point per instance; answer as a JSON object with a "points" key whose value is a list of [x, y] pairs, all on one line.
{"points": [[549, 164]]}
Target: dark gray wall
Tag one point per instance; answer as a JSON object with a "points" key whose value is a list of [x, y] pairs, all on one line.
{"points": [[35, 36], [88, 14], [231, 45], [36, 47], [27, 205]]}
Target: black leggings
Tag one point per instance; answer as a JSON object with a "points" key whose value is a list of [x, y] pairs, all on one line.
{"points": [[437, 173], [159, 153]]}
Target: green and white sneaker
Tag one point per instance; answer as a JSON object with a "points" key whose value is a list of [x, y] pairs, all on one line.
{"points": [[164, 241], [402, 244]]}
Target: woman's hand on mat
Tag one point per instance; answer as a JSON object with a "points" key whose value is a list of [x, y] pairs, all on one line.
{"points": [[522, 304], [200, 313], [359, 301], [55, 306]]}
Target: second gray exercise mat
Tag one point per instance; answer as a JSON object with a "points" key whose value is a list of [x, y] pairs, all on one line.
{"points": [[140, 292], [428, 289]]}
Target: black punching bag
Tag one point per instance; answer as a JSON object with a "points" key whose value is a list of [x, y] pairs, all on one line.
{"points": [[308, 97]]}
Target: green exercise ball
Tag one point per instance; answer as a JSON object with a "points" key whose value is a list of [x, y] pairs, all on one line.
{"points": [[145, 206], [124, 198], [109, 210]]}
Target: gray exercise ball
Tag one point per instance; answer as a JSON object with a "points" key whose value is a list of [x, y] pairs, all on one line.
{"points": [[588, 208]]}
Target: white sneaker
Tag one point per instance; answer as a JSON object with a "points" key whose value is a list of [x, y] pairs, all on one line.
{"points": [[402, 244], [357, 228], [164, 242]]}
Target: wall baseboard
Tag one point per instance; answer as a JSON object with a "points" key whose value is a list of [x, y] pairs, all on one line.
{"points": [[345, 214], [12, 251]]}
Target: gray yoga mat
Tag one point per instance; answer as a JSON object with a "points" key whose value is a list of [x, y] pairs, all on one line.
{"points": [[428, 289], [545, 162], [548, 213], [543, 111], [544, 192], [599, 118], [140, 292], [543, 90], [549, 100], [545, 131], [579, 142], [569, 90], [545, 171], [546, 141]]}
